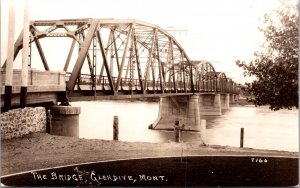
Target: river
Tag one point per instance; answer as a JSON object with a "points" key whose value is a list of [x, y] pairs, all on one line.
{"points": [[263, 128]]}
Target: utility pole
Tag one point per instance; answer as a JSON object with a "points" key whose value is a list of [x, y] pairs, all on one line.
{"points": [[24, 73], [10, 56]]}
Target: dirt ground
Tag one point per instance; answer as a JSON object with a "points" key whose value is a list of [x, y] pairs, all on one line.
{"points": [[42, 150]]}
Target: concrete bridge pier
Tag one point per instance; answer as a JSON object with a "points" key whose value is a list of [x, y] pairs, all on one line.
{"points": [[236, 97], [65, 120], [193, 121], [232, 98], [210, 104], [183, 108], [225, 98]]}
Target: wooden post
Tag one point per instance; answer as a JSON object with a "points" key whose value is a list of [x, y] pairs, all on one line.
{"points": [[25, 58], [177, 131], [10, 57], [48, 123], [116, 128], [242, 138]]}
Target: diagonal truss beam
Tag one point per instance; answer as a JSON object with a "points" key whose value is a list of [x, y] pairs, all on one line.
{"points": [[17, 47], [138, 65], [81, 56], [105, 63], [69, 55], [150, 52], [123, 58], [40, 50]]}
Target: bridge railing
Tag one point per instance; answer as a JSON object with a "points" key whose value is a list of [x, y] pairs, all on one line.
{"points": [[38, 81], [35, 77], [209, 84]]}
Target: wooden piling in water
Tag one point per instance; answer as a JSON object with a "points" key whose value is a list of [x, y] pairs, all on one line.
{"points": [[242, 138], [116, 128]]}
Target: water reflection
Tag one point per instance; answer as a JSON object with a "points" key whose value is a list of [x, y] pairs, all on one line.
{"points": [[264, 129]]}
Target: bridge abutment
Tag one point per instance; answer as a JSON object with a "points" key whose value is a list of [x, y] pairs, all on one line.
{"points": [[65, 120]]}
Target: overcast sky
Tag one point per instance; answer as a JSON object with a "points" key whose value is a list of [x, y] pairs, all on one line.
{"points": [[220, 31]]}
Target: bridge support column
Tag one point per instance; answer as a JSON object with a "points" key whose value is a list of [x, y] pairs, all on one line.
{"points": [[225, 101], [193, 113], [210, 104], [182, 108], [236, 97], [231, 100], [65, 120]]}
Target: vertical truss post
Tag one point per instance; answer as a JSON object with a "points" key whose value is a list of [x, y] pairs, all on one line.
{"points": [[123, 58], [105, 62], [138, 65], [163, 73], [196, 78], [153, 62], [173, 67], [116, 49], [191, 78], [182, 71], [168, 65], [127, 68], [111, 62], [79, 75], [149, 62], [105, 51], [94, 64], [184, 78], [160, 66], [131, 66], [90, 63]]}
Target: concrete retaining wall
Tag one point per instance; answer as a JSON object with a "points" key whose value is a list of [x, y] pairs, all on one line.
{"points": [[18, 122]]}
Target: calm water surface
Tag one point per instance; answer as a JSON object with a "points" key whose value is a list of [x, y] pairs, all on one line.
{"points": [[263, 128]]}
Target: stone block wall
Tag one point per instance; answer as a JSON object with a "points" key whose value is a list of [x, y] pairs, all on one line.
{"points": [[18, 122]]}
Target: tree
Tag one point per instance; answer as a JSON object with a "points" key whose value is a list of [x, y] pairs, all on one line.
{"points": [[276, 66]]}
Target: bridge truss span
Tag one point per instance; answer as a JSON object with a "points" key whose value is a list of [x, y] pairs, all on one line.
{"points": [[122, 57]]}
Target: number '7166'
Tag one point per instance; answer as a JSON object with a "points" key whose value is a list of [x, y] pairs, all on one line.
{"points": [[258, 160]]}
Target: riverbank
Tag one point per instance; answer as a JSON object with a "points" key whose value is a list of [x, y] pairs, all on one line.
{"points": [[41, 150]]}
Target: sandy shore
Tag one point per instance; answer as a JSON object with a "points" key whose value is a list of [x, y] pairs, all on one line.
{"points": [[41, 150]]}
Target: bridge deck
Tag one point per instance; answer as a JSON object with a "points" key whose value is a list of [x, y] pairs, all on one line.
{"points": [[43, 86], [46, 86]]}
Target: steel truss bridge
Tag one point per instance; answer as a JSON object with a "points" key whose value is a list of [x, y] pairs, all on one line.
{"points": [[110, 57]]}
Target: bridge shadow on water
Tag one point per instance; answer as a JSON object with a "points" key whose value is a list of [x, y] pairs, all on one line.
{"points": [[168, 171]]}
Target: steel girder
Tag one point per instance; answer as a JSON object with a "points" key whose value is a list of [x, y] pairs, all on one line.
{"points": [[133, 53]]}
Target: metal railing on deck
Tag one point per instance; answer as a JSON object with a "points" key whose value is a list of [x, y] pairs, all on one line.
{"points": [[209, 84]]}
